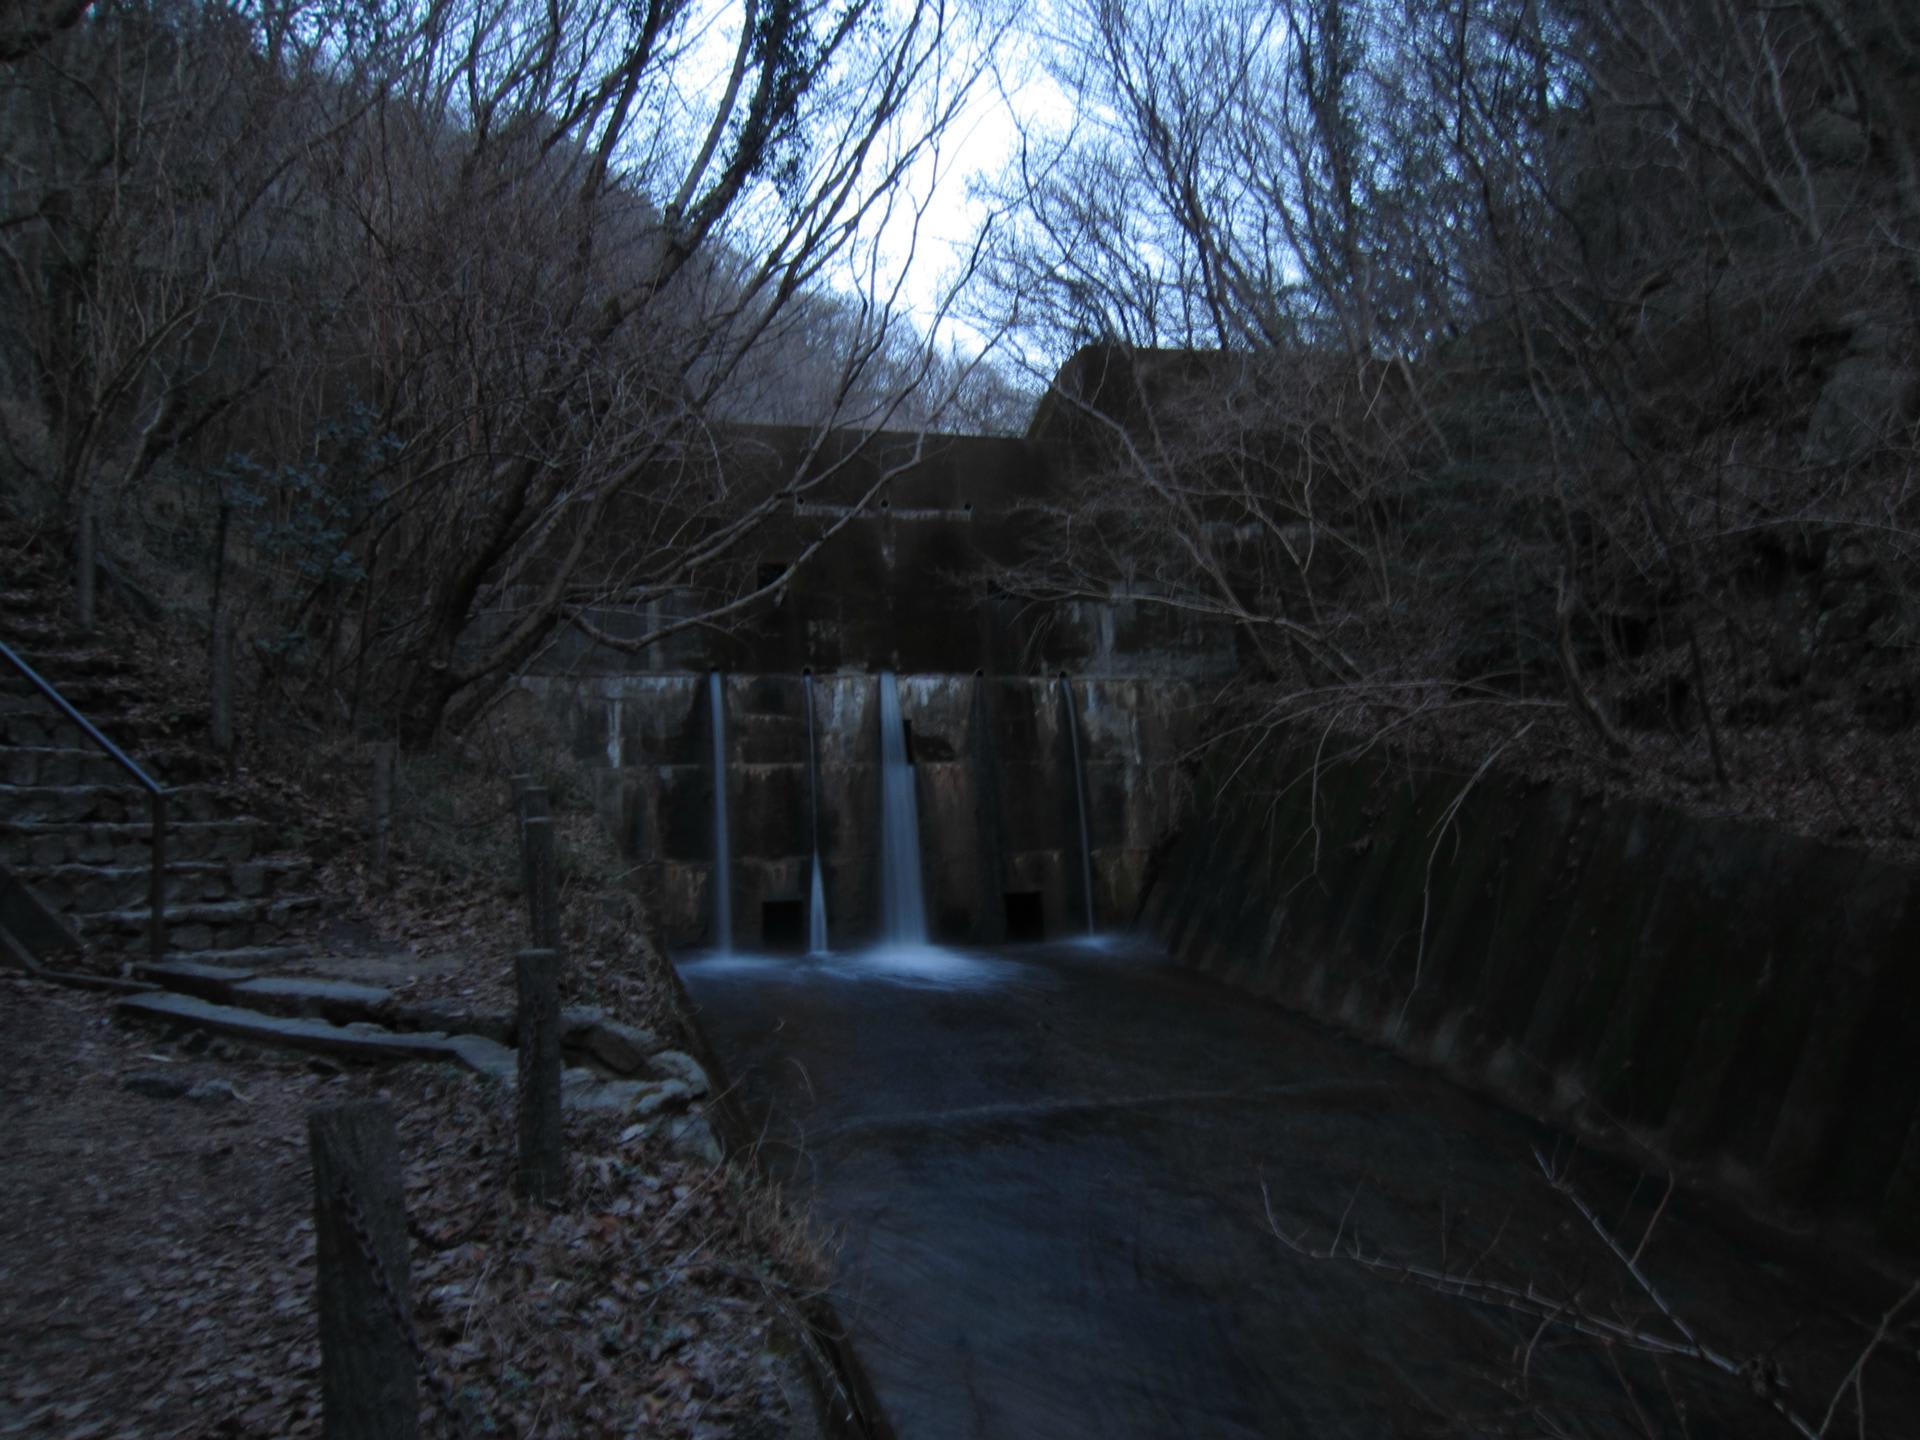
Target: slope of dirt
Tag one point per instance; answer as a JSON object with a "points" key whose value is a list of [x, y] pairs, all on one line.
{"points": [[156, 1239], [156, 1251]]}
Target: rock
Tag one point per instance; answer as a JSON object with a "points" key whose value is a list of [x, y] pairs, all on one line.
{"points": [[678, 1065], [576, 1020], [156, 1084], [593, 1093], [623, 1048], [340, 1001], [452, 1020], [691, 1137], [357, 1042], [485, 1056], [213, 1092], [662, 1095], [688, 1136], [209, 982], [645, 1099]]}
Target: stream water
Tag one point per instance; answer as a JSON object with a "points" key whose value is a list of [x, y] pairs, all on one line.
{"points": [[1058, 1178]]}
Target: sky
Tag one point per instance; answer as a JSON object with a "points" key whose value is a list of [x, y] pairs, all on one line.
{"points": [[1011, 90]]}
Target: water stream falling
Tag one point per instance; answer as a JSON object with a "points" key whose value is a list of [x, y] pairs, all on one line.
{"points": [[817, 899], [722, 866], [1080, 799], [903, 907]]}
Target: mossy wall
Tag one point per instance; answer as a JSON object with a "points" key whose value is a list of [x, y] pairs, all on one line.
{"points": [[1742, 1003]]}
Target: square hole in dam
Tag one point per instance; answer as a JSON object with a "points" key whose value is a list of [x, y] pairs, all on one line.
{"points": [[783, 924], [1026, 915]]}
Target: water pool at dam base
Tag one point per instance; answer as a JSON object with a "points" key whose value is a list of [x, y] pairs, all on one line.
{"points": [[1073, 1190]]}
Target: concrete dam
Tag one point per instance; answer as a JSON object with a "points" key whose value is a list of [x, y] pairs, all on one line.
{"points": [[1044, 741], [1141, 1099]]}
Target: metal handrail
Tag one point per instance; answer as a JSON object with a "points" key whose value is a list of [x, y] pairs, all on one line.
{"points": [[156, 799]]}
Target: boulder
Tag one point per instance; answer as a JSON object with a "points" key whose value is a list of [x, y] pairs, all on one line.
{"points": [[692, 1138], [659, 1095], [622, 1048], [678, 1065]]}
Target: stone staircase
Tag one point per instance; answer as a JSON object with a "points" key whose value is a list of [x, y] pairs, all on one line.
{"points": [[74, 826]]}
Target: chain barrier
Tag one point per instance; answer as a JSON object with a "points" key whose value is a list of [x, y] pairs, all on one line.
{"points": [[452, 1412]]}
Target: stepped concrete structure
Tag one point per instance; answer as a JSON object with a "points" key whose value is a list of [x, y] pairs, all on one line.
{"points": [[910, 582]]}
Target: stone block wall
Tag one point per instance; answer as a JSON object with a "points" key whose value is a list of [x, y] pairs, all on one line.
{"points": [[994, 775]]}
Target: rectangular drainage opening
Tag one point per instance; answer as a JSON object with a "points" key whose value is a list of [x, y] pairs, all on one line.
{"points": [[783, 924], [1026, 915]]}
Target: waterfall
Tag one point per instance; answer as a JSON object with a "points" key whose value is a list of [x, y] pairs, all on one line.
{"points": [[903, 908], [817, 899], [817, 912], [1080, 799], [722, 865]]}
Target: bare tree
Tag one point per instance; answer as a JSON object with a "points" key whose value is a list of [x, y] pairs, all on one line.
{"points": [[1518, 338], [428, 297]]}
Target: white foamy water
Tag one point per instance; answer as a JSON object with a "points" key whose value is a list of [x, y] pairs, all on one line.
{"points": [[902, 904], [817, 913], [930, 967]]}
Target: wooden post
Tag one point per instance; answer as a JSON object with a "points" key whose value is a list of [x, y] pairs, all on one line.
{"points": [[157, 877], [381, 825], [543, 883], [84, 567], [529, 803], [369, 1387], [220, 670], [543, 1172]]}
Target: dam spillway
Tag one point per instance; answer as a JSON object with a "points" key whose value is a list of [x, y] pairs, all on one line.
{"points": [[993, 781]]}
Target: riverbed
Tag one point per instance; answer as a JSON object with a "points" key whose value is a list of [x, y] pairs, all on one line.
{"points": [[1078, 1192]]}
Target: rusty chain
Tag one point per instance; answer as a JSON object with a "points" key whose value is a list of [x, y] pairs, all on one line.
{"points": [[451, 1411]]}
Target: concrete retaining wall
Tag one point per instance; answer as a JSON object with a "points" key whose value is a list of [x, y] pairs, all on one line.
{"points": [[1744, 1003], [994, 770]]}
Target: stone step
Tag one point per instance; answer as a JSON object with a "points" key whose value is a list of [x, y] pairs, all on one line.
{"points": [[340, 1001], [74, 760], [42, 843], [63, 765], [19, 598], [242, 960], [349, 1042], [192, 977], [209, 929], [49, 624], [86, 887], [33, 721], [62, 658], [103, 804], [92, 695]]}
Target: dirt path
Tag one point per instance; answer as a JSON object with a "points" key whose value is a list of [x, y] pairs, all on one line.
{"points": [[156, 1251]]}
